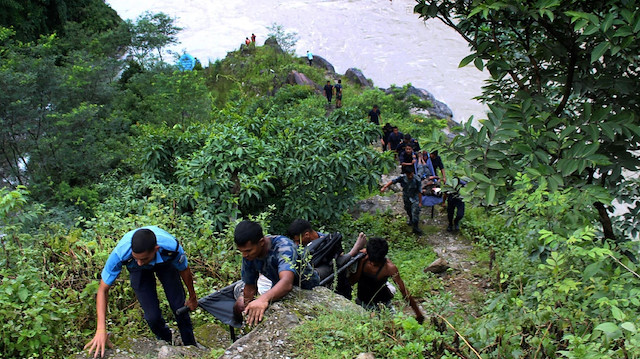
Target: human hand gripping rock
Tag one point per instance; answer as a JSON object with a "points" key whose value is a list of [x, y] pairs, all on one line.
{"points": [[254, 312], [98, 342]]}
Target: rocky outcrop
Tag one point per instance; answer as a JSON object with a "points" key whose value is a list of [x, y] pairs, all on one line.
{"points": [[272, 42], [437, 110], [298, 78], [354, 75], [270, 338], [321, 62]]}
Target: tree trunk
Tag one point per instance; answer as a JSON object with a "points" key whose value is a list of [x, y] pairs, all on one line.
{"points": [[605, 220]]}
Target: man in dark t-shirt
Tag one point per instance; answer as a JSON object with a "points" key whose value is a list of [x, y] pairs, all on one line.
{"points": [[328, 91], [374, 115], [437, 164], [395, 137], [338, 88]]}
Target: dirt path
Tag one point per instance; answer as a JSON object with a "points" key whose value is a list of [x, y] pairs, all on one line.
{"points": [[467, 279]]}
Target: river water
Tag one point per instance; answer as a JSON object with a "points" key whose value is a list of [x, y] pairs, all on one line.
{"points": [[383, 38]]}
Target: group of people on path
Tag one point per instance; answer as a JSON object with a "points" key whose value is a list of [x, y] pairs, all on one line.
{"points": [[151, 253], [330, 90], [420, 181]]}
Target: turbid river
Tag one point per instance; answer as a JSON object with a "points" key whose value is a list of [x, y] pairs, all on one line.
{"points": [[383, 38]]}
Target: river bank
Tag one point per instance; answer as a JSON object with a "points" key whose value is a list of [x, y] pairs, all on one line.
{"points": [[384, 39]]}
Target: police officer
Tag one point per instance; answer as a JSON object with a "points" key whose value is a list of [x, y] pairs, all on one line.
{"points": [[148, 252]]}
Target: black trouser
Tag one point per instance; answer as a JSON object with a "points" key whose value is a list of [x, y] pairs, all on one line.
{"points": [[343, 287], [143, 283], [452, 204]]}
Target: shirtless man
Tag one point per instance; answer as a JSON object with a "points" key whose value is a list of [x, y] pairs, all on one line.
{"points": [[372, 274]]}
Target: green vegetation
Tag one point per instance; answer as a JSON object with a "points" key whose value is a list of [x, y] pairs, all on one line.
{"points": [[88, 155], [93, 146]]}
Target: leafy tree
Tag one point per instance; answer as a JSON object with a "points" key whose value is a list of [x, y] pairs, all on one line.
{"points": [[286, 39], [33, 18], [54, 115], [563, 96], [152, 32]]}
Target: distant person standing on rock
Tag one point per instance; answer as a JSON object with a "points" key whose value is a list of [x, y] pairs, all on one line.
{"points": [[310, 57], [328, 91], [253, 38], [338, 88], [247, 41]]}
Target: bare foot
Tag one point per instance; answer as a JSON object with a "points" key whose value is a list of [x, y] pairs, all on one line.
{"points": [[361, 242]]}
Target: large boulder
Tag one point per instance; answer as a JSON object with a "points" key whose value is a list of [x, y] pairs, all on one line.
{"points": [[437, 110], [321, 62], [272, 42], [356, 76], [298, 78], [270, 339]]}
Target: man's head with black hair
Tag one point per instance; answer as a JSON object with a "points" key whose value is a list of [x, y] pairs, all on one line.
{"points": [[143, 240], [250, 240], [407, 137], [301, 231], [408, 171], [434, 154], [247, 231], [144, 246], [377, 249]]}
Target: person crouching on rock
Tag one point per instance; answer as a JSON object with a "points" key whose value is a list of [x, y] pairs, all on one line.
{"points": [[148, 253], [276, 258]]}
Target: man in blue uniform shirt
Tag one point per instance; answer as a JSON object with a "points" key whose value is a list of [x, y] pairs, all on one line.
{"points": [[276, 258], [148, 252]]}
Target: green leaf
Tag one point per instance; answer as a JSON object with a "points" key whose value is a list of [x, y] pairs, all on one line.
{"points": [[467, 60], [597, 53], [493, 164], [607, 327], [608, 21], [23, 294], [480, 177], [478, 63], [533, 171], [629, 326], [491, 194], [617, 313]]}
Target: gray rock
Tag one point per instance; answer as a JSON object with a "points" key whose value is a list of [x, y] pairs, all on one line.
{"points": [[164, 352], [321, 62], [440, 265], [366, 356], [437, 110], [270, 338], [356, 76], [298, 78], [272, 42]]}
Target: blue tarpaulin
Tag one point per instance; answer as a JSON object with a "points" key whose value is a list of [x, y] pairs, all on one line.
{"points": [[186, 62]]}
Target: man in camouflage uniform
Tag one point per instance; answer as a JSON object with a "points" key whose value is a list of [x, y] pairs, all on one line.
{"points": [[411, 195]]}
